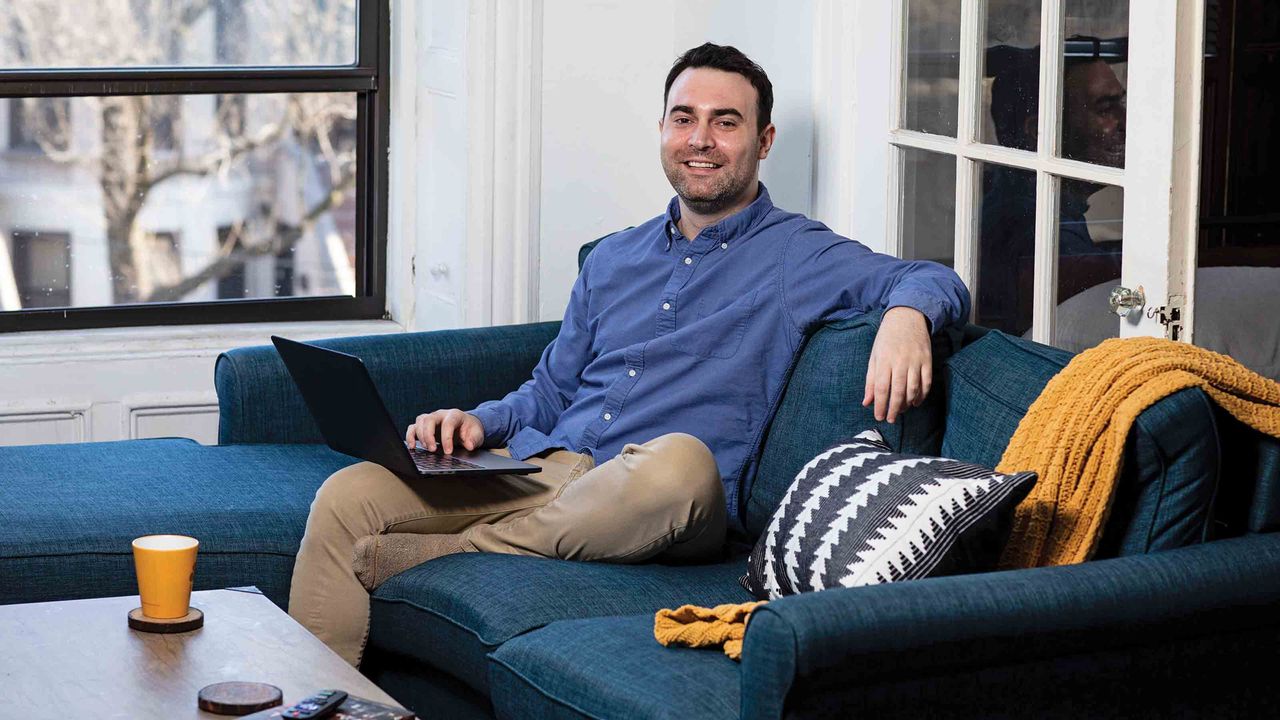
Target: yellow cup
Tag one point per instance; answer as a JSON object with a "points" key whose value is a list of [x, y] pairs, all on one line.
{"points": [[166, 567]]}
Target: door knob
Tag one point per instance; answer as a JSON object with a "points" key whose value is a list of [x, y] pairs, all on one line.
{"points": [[1124, 301]]}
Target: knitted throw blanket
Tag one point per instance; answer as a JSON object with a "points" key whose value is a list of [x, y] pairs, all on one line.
{"points": [[694, 626], [1074, 435]]}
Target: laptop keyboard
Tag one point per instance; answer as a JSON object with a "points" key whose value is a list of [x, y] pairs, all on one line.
{"points": [[429, 461]]}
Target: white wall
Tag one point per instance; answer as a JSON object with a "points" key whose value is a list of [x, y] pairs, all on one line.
{"points": [[604, 63]]}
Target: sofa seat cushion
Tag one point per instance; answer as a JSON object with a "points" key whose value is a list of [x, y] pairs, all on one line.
{"points": [[610, 667], [69, 512], [451, 612], [1165, 496]]}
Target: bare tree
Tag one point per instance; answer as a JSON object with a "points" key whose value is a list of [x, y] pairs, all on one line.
{"points": [[141, 144]]}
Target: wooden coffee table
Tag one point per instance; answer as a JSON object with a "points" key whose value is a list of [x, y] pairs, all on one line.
{"points": [[79, 659]]}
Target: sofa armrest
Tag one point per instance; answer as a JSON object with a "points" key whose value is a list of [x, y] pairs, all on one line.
{"points": [[414, 373], [1165, 610]]}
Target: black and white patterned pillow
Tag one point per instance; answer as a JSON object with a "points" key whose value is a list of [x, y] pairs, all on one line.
{"points": [[859, 514]]}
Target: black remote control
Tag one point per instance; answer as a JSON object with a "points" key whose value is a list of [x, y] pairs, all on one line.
{"points": [[321, 705]]}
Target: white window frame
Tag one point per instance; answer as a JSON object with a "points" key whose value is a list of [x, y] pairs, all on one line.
{"points": [[1160, 178]]}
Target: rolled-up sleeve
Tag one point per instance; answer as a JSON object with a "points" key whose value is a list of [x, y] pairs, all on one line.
{"points": [[539, 402], [826, 277]]}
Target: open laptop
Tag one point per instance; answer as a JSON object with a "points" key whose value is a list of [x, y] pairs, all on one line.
{"points": [[342, 398]]}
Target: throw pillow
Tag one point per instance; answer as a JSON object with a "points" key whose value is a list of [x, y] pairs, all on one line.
{"points": [[860, 514]]}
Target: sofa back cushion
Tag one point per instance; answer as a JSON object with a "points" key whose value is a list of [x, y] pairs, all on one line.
{"points": [[1165, 496], [822, 403]]}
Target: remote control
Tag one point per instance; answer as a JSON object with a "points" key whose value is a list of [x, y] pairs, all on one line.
{"points": [[321, 705]]}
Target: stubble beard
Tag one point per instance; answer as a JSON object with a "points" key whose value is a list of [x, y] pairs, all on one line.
{"points": [[723, 192]]}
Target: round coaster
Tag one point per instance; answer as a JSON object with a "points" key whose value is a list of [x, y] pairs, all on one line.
{"points": [[192, 620], [238, 698]]}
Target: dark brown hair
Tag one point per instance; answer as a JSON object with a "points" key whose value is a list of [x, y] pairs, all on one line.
{"points": [[728, 59]]}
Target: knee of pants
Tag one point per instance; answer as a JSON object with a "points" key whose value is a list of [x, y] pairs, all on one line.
{"points": [[682, 467], [352, 489]]}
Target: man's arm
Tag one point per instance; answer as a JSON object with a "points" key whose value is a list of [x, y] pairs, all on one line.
{"points": [[537, 403], [827, 277]]}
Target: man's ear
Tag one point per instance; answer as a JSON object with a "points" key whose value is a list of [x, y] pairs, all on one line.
{"points": [[766, 140]]}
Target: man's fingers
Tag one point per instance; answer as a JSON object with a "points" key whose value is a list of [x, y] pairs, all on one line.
{"points": [[884, 385], [926, 380], [427, 431], [913, 396], [869, 393], [897, 393], [447, 429]]}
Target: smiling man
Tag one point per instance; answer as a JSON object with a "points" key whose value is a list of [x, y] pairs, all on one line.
{"points": [[647, 410]]}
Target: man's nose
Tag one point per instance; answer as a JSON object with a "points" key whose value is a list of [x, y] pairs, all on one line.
{"points": [[701, 138]]}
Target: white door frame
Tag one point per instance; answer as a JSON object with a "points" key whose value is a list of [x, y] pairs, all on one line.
{"points": [[1160, 180]]}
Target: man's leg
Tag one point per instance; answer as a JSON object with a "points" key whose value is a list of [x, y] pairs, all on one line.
{"points": [[367, 499], [661, 497]]}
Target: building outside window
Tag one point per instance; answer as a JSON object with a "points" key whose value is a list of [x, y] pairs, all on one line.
{"points": [[238, 175]]}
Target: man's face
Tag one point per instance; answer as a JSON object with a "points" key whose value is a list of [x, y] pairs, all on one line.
{"points": [[1093, 122], [711, 149]]}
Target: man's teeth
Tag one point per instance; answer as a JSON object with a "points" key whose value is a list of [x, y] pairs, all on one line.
{"points": [[694, 163]]}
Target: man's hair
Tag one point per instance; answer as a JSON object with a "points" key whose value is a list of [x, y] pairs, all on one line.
{"points": [[728, 59]]}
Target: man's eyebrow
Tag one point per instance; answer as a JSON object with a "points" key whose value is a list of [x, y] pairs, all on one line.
{"points": [[718, 112]]}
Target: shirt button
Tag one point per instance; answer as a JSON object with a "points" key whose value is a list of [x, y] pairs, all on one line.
{"points": [[724, 246], [688, 261], [666, 306], [631, 373], [607, 416]]}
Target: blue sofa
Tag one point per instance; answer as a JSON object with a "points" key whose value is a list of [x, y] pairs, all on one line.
{"points": [[1179, 614]]}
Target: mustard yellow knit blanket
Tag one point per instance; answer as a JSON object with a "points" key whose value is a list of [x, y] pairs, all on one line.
{"points": [[1074, 435], [694, 626]]}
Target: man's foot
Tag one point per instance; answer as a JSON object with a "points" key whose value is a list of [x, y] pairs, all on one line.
{"points": [[378, 557]]}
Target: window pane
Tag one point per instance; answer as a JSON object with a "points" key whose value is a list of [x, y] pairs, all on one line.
{"points": [[1094, 78], [176, 33], [1090, 232], [1006, 249], [182, 198], [929, 207], [1011, 75], [933, 66]]}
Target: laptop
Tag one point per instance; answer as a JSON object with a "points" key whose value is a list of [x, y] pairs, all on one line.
{"points": [[346, 405]]}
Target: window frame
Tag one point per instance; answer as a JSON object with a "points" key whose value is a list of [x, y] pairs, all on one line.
{"points": [[368, 78], [1160, 180]]}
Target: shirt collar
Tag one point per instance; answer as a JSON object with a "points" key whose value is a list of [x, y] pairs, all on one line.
{"points": [[728, 229]]}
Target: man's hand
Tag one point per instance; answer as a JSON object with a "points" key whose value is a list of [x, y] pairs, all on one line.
{"points": [[900, 371], [453, 424]]}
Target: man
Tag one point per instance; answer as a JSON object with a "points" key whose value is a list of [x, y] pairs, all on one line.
{"points": [[646, 410], [1093, 131]]}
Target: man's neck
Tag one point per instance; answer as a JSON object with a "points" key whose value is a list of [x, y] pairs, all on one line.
{"points": [[692, 223]]}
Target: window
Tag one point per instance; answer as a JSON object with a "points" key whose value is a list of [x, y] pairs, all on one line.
{"points": [[218, 160], [42, 267], [979, 137]]}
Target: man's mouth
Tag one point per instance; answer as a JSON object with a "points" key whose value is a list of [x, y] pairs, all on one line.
{"points": [[701, 164]]}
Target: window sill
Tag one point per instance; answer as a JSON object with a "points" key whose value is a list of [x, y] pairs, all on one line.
{"points": [[135, 343]]}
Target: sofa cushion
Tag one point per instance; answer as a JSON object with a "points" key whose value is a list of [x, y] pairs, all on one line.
{"points": [[69, 512], [1165, 496], [451, 612], [859, 514], [610, 668], [822, 403]]}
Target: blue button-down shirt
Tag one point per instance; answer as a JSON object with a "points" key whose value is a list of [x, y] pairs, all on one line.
{"points": [[663, 334]]}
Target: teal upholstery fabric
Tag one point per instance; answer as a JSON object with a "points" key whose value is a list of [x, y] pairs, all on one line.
{"points": [[610, 667], [1165, 497], [70, 512], [1142, 629], [822, 403], [414, 373], [445, 613], [1249, 492]]}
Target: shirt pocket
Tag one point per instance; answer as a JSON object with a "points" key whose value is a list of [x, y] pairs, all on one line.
{"points": [[718, 326]]}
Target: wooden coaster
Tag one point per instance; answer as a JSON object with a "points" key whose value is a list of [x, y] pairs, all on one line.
{"points": [[238, 698], [192, 620]]}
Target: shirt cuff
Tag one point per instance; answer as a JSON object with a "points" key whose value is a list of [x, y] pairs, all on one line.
{"points": [[933, 310], [494, 421]]}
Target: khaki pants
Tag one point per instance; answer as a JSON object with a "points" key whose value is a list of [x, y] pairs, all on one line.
{"points": [[662, 497]]}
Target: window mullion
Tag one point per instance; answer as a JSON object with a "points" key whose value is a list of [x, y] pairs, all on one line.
{"points": [[1045, 285], [968, 172]]}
